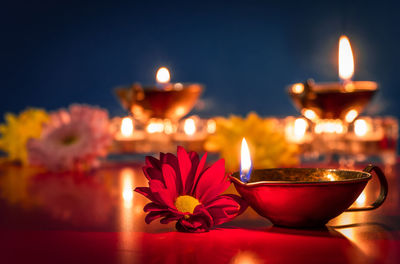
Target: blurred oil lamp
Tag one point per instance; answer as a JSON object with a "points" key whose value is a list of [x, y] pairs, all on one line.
{"points": [[164, 100], [245, 162], [343, 100]]}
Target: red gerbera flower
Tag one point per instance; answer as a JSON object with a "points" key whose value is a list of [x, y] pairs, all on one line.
{"points": [[181, 189]]}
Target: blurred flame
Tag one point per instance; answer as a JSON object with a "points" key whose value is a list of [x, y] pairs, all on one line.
{"points": [[127, 126], [351, 115], [310, 114], [329, 126], [155, 126], [189, 127], [300, 127], [245, 162], [211, 126], [298, 88], [168, 127], [180, 111], [346, 60], [360, 127], [163, 75]]}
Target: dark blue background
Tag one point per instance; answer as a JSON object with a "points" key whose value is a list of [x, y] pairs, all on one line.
{"points": [[54, 53]]}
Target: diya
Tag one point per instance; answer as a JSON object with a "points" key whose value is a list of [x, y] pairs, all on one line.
{"points": [[164, 100], [343, 100], [303, 197], [306, 197]]}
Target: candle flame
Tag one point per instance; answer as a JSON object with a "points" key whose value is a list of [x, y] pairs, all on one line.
{"points": [[245, 162], [309, 114], [211, 126], [300, 128], [189, 127], [346, 60], [360, 127], [298, 88], [163, 75], [351, 115], [155, 126], [127, 127], [329, 126]]}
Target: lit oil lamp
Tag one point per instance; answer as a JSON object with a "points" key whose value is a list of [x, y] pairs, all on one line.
{"points": [[343, 100], [303, 197], [164, 100]]}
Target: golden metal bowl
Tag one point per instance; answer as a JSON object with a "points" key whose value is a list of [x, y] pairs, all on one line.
{"points": [[332, 100], [169, 102]]}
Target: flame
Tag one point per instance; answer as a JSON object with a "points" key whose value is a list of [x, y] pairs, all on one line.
{"points": [[163, 75], [155, 126], [298, 88], [310, 114], [127, 127], [211, 126], [245, 162], [329, 126], [189, 127], [300, 127], [168, 127], [351, 115], [346, 60], [360, 127]]}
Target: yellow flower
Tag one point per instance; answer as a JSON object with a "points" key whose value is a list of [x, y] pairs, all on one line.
{"points": [[17, 130], [266, 141]]}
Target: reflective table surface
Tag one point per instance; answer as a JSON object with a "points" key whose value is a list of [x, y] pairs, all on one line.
{"points": [[97, 218]]}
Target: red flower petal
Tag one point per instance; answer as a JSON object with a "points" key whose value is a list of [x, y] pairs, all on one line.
{"points": [[172, 160], [161, 195], [210, 177], [170, 218], [225, 208], [170, 180], [194, 158], [199, 170], [153, 207], [145, 191], [185, 165], [153, 173], [213, 191], [150, 217], [153, 162]]}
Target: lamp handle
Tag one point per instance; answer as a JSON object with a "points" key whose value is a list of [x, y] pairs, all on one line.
{"points": [[383, 193]]}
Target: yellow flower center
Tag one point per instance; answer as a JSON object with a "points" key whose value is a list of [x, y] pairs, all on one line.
{"points": [[186, 204], [69, 140]]}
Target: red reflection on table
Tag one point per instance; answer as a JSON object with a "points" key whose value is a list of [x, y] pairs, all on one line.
{"points": [[96, 218]]}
